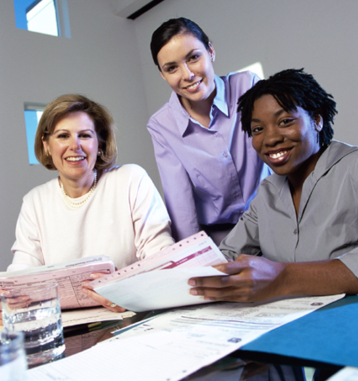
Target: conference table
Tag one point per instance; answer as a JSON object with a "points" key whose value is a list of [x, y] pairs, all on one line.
{"points": [[325, 340]]}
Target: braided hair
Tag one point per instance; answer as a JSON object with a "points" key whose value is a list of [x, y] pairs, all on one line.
{"points": [[292, 88]]}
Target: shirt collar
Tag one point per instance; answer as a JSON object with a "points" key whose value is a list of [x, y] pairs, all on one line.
{"points": [[219, 100], [182, 117]]}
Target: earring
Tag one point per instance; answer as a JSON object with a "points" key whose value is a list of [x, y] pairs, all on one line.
{"points": [[99, 153]]}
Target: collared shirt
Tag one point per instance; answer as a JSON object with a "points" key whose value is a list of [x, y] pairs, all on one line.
{"points": [[326, 226], [209, 175]]}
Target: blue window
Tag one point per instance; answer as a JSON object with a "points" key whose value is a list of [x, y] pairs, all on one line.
{"points": [[43, 16], [32, 117]]}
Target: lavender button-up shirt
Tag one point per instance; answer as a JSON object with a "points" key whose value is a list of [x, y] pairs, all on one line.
{"points": [[209, 175]]}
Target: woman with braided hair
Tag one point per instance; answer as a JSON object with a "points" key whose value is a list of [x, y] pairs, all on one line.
{"points": [[299, 236]]}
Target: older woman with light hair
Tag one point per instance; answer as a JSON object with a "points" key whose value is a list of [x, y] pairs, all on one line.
{"points": [[93, 207]]}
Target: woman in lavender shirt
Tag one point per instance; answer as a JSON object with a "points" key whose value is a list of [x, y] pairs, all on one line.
{"points": [[208, 168]]}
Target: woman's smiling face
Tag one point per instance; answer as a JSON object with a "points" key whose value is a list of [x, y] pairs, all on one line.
{"points": [[187, 66], [73, 146], [288, 141]]}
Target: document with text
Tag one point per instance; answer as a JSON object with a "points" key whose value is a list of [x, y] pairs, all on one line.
{"points": [[172, 345], [68, 275]]}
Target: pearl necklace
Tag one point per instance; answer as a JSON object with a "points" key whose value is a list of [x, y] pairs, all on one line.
{"points": [[75, 203]]}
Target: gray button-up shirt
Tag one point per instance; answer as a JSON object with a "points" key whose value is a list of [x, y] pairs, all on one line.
{"points": [[327, 223]]}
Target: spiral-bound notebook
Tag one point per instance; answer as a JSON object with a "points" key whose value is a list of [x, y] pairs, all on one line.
{"points": [[161, 280]]}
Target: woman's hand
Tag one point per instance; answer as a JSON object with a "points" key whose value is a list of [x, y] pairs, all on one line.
{"points": [[14, 302], [249, 279], [88, 290], [1, 322]]}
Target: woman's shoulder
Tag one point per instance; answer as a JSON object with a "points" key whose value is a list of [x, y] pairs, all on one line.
{"points": [[170, 110], [127, 178], [125, 171], [242, 77], [40, 197], [338, 149], [340, 156], [42, 190], [238, 83]]}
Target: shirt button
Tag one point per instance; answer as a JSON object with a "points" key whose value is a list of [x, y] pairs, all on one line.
{"points": [[225, 154], [295, 231], [216, 134]]}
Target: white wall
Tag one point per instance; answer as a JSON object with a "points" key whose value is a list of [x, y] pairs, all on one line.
{"points": [[100, 60], [108, 59]]}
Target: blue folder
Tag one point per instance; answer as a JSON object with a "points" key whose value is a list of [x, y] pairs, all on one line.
{"points": [[328, 335]]}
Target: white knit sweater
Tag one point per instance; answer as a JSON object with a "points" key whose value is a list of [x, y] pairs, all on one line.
{"points": [[125, 218]]}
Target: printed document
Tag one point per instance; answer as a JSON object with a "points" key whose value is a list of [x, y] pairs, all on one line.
{"points": [[175, 344], [68, 275]]}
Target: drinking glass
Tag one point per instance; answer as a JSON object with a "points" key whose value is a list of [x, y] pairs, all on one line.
{"points": [[12, 357], [36, 312]]}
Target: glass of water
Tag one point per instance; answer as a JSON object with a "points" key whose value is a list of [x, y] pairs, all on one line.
{"points": [[35, 311], [12, 357]]}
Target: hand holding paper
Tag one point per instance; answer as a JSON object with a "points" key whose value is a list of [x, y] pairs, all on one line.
{"points": [[161, 280], [87, 289], [256, 279], [249, 279]]}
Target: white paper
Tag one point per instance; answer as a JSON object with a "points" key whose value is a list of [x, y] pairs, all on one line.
{"points": [[198, 250], [156, 289], [346, 374], [173, 345], [234, 320], [91, 315], [160, 280]]}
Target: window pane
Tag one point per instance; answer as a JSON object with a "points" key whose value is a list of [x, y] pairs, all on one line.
{"points": [[42, 18], [37, 16], [32, 118]]}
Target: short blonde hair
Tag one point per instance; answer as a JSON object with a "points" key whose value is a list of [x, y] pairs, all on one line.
{"points": [[101, 117]]}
